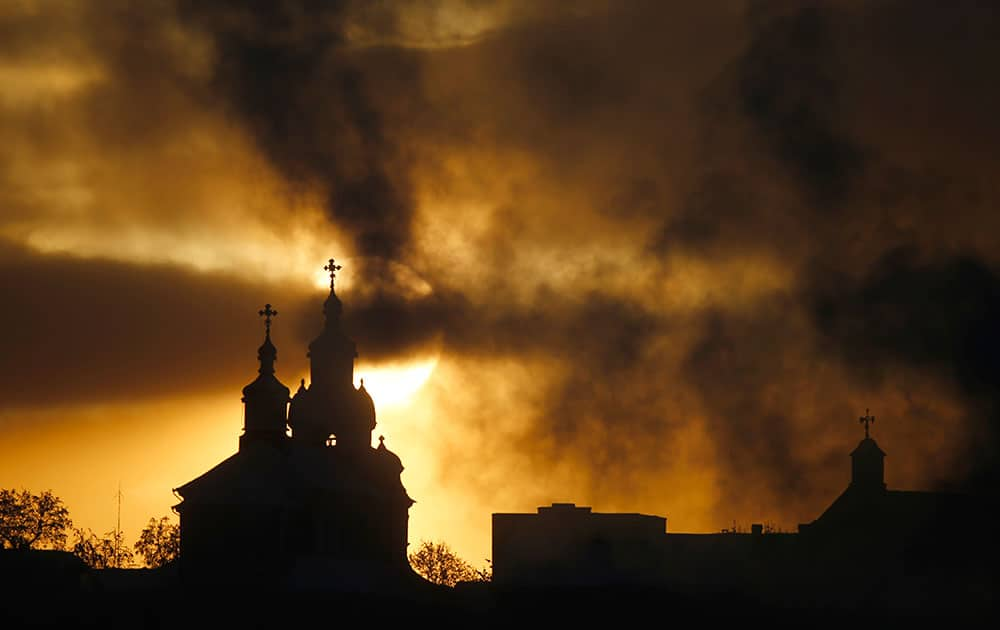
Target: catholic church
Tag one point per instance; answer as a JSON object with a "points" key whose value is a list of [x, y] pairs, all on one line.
{"points": [[306, 503]]}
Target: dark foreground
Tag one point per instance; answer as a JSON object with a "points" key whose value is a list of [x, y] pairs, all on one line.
{"points": [[468, 606]]}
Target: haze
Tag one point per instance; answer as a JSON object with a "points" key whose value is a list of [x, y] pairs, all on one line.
{"points": [[643, 256]]}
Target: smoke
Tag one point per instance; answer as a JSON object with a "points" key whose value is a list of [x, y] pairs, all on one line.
{"points": [[787, 89], [935, 315], [284, 69], [785, 172], [652, 243]]}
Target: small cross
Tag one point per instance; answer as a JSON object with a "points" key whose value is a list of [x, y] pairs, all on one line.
{"points": [[866, 420], [333, 269], [267, 313]]}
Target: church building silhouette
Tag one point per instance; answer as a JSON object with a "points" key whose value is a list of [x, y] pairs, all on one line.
{"points": [[313, 508]]}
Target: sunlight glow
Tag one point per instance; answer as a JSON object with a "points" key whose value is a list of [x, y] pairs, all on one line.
{"points": [[321, 279], [41, 82], [395, 384]]}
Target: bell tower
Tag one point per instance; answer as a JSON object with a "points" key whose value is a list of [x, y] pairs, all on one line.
{"points": [[867, 460], [332, 353], [331, 411]]}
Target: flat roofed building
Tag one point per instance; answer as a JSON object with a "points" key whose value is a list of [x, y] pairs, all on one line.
{"points": [[569, 545]]}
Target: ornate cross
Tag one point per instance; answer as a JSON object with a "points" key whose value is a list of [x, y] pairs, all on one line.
{"points": [[866, 420], [333, 269], [267, 313]]}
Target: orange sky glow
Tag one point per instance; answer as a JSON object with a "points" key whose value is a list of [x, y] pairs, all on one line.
{"points": [[651, 258]]}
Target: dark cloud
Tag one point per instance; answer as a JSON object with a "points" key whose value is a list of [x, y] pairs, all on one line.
{"points": [[82, 330], [593, 330], [284, 70], [652, 138], [558, 90], [753, 427], [917, 313], [787, 88]]}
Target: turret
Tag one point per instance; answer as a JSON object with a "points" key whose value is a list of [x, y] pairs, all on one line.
{"points": [[332, 353], [331, 406], [266, 398], [867, 461]]}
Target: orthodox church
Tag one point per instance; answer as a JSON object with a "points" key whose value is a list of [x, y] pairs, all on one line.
{"points": [[306, 503]]}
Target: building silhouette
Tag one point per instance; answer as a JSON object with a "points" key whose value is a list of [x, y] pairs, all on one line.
{"points": [[306, 503], [573, 546], [873, 548]]}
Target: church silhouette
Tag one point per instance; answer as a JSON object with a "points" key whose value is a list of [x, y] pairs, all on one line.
{"points": [[307, 507], [313, 508]]}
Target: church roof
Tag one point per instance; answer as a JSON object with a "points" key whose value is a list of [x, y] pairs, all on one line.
{"points": [[266, 386], [254, 475], [867, 446], [269, 474], [856, 511]]}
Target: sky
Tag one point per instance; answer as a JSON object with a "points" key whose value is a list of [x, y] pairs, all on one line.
{"points": [[643, 256]]}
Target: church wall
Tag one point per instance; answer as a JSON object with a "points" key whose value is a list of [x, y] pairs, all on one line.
{"points": [[369, 528], [228, 545]]}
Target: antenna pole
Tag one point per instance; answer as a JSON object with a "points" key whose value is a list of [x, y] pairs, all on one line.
{"points": [[118, 528]]}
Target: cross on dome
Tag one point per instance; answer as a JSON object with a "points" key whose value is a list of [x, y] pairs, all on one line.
{"points": [[267, 313], [333, 268]]}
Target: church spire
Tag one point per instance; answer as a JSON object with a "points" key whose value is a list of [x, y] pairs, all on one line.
{"points": [[267, 354], [332, 308], [332, 405], [332, 353]]}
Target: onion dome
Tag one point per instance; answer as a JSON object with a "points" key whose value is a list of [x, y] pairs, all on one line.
{"points": [[267, 354], [297, 410], [391, 460], [366, 406]]}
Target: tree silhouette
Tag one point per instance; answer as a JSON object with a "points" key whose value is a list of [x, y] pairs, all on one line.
{"points": [[109, 552], [32, 521], [485, 573], [437, 563], [159, 542]]}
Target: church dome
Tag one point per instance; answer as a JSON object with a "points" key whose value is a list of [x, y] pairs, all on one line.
{"points": [[297, 410], [391, 460], [366, 406], [265, 386], [266, 398]]}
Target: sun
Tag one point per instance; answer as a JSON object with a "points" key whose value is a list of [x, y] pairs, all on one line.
{"points": [[395, 384], [321, 279]]}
